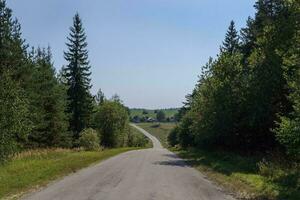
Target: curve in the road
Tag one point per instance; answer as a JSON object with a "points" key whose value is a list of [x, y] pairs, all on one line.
{"points": [[154, 140], [150, 174]]}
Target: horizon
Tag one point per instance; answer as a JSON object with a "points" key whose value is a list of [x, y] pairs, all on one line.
{"points": [[150, 53]]}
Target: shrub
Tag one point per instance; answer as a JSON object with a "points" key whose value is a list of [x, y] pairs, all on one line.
{"points": [[173, 137], [136, 140], [111, 120], [288, 134], [89, 139]]}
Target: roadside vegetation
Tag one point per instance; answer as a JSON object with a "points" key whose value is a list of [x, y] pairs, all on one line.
{"points": [[136, 139], [32, 169], [247, 177], [258, 176], [241, 122], [41, 110]]}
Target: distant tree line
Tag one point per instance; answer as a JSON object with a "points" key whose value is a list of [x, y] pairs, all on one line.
{"points": [[40, 108], [248, 98], [158, 115]]}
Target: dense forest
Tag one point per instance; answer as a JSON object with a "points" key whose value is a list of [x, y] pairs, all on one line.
{"points": [[247, 99], [40, 108]]}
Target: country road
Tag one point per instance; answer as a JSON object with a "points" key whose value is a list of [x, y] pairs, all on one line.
{"points": [[150, 174]]}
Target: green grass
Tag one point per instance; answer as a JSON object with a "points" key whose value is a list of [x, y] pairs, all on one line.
{"points": [[247, 177], [34, 169], [139, 112], [159, 130], [244, 175]]}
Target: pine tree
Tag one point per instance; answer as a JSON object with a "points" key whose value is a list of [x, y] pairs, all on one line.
{"points": [[77, 74], [231, 42], [47, 104]]}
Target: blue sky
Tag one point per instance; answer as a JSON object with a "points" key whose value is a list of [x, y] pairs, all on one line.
{"points": [[150, 52]]}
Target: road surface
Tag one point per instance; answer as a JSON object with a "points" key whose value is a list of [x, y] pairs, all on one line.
{"points": [[150, 174]]}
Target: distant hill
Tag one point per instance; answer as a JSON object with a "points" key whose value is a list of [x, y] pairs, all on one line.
{"points": [[170, 112]]}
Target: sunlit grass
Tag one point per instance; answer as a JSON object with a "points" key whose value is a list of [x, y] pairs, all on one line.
{"points": [[32, 169]]}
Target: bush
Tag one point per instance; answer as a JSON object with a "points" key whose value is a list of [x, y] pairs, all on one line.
{"points": [[89, 139], [173, 137], [288, 134], [136, 140], [185, 136], [111, 120]]}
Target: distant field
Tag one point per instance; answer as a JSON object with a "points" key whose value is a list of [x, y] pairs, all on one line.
{"points": [[151, 113], [159, 130]]}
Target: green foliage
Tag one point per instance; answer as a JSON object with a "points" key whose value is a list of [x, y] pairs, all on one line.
{"points": [[136, 139], [231, 42], [241, 94], [173, 137], [14, 125], [111, 119], [100, 97], [185, 135], [89, 140], [47, 104], [288, 132], [77, 74], [249, 177], [160, 116]]}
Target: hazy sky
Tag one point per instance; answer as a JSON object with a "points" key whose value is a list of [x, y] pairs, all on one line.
{"points": [[150, 52]]}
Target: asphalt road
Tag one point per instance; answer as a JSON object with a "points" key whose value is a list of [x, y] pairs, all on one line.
{"points": [[150, 174]]}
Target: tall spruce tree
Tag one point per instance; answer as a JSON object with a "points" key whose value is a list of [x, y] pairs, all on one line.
{"points": [[77, 74], [231, 42]]}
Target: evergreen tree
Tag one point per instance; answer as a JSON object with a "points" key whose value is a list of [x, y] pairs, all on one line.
{"points": [[288, 131], [77, 74], [14, 124], [231, 42], [47, 104], [100, 97]]}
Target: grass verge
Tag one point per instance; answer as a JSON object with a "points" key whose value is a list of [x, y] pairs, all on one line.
{"points": [[33, 169], [247, 177]]}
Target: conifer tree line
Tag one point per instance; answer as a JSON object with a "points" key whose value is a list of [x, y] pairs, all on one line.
{"points": [[40, 108], [248, 97]]}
